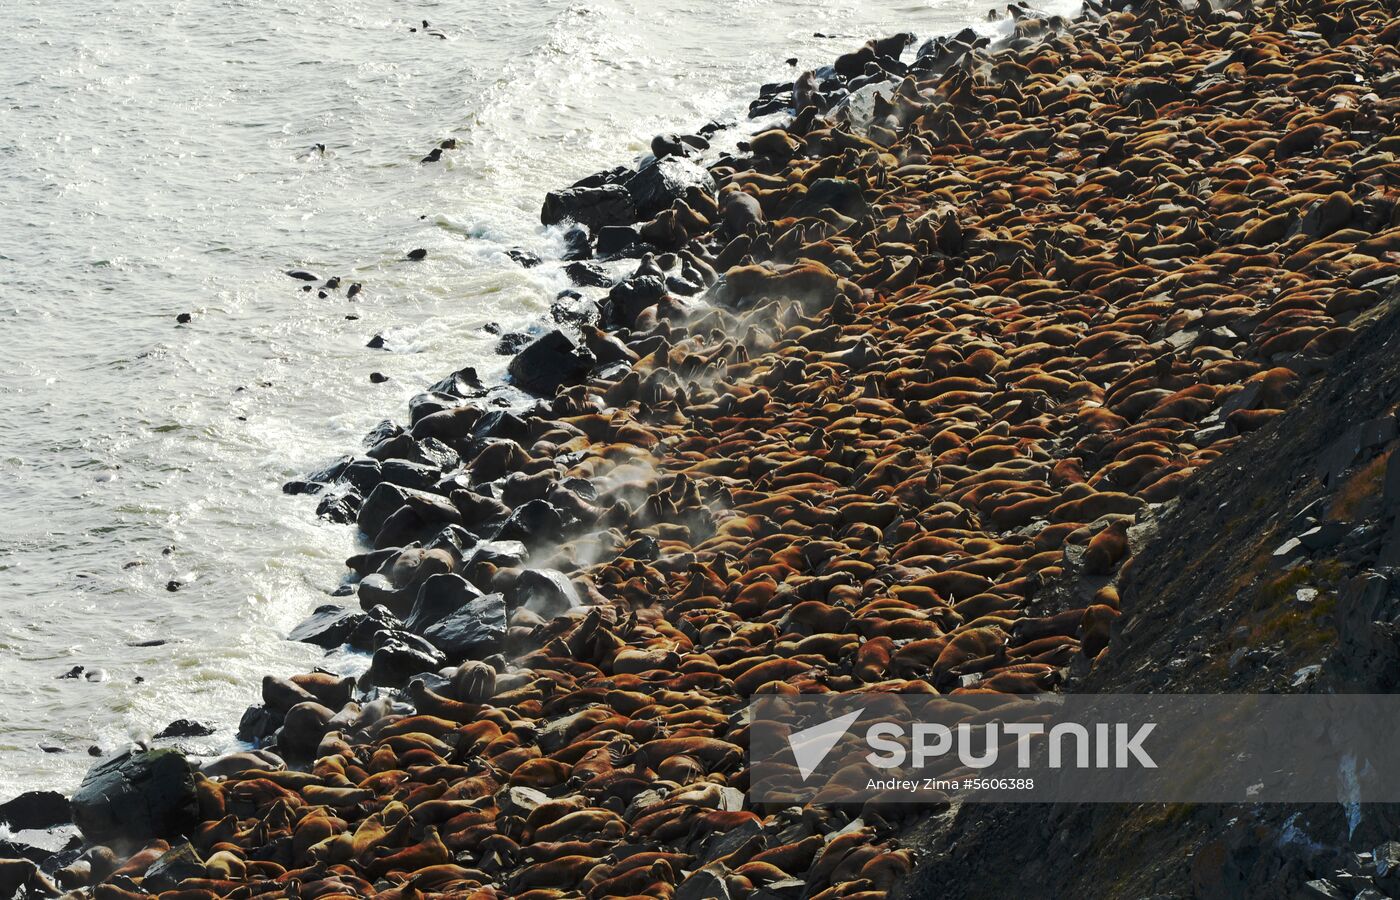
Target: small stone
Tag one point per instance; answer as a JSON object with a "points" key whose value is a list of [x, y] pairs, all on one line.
{"points": [[417, 254], [173, 866], [512, 343], [1305, 674], [36, 810], [588, 274], [184, 319], [181, 728], [525, 258]]}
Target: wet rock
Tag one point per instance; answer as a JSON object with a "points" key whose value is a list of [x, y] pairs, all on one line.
{"points": [[257, 724], [621, 242], [175, 865], [578, 243], [587, 274], [594, 207], [548, 363], [388, 499], [363, 474], [546, 592], [615, 175], [417, 254], [427, 451], [455, 540], [136, 796], [533, 523], [475, 630], [658, 185], [377, 590], [36, 810], [377, 619], [628, 298], [767, 106], [341, 508], [462, 383], [396, 661], [329, 626], [512, 343], [404, 473], [303, 275], [184, 728], [525, 258], [323, 476], [502, 424], [439, 597]]}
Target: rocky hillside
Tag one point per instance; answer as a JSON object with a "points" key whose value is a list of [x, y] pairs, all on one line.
{"points": [[1273, 572]]}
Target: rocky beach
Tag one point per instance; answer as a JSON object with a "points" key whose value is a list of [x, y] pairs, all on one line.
{"points": [[1064, 361]]}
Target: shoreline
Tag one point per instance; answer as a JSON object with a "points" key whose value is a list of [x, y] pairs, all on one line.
{"points": [[858, 421]]}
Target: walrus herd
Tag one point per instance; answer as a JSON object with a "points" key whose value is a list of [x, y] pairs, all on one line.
{"points": [[879, 411]]}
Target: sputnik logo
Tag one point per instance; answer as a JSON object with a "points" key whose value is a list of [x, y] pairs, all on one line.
{"points": [[811, 745]]}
